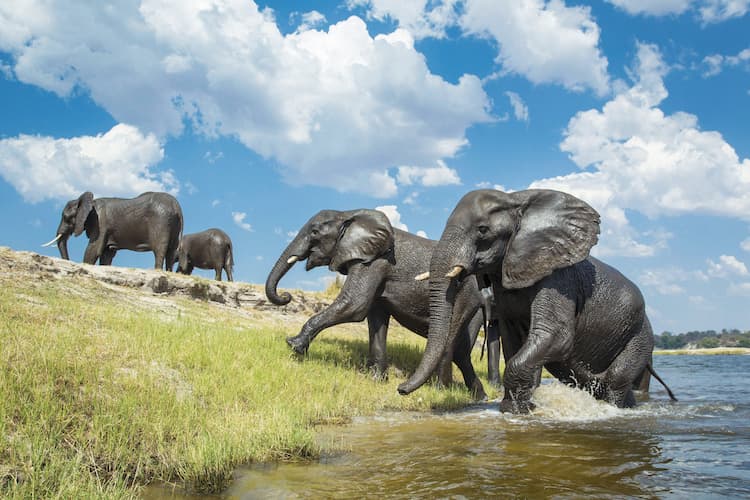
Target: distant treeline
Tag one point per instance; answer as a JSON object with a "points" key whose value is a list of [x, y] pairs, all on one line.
{"points": [[704, 339]]}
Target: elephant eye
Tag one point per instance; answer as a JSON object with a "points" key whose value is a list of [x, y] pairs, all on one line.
{"points": [[483, 230]]}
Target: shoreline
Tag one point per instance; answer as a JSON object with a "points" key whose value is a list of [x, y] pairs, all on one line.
{"points": [[704, 351]]}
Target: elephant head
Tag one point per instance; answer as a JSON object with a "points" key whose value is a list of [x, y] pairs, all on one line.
{"points": [[73, 221], [512, 239], [335, 239]]}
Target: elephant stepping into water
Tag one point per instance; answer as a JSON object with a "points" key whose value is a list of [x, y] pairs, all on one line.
{"points": [[556, 306], [381, 264]]}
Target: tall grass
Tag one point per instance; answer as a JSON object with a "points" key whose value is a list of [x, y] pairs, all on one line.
{"points": [[102, 392]]}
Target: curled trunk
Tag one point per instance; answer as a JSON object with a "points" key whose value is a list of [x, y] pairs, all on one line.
{"points": [[297, 248]]}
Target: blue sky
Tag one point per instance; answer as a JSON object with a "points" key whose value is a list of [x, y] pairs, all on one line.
{"points": [[258, 115]]}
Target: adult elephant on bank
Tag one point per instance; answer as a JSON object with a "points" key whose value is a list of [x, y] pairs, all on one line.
{"points": [[380, 263], [557, 307], [209, 249], [148, 222]]}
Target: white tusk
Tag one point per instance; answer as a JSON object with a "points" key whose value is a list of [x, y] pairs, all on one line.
{"points": [[454, 272], [422, 277], [292, 259], [53, 241]]}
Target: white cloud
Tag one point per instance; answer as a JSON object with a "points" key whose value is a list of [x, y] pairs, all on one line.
{"points": [[520, 110], [334, 108], [742, 289], [650, 162], [117, 163], [727, 267], [428, 176], [239, 220], [664, 281], [411, 199], [546, 42], [745, 245], [391, 211], [709, 11], [310, 20], [714, 11], [653, 7], [421, 233], [212, 157], [422, 18], [215, 203], [715, 63]]}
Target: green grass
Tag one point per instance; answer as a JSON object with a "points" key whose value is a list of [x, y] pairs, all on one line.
{"points": [[705, 351], [102, 392]]}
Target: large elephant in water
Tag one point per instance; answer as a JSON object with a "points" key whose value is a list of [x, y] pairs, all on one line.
{"points": [[148, 222], [380, 263], [557, 307]]}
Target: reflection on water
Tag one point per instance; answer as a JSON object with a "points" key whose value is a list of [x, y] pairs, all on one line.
{"points": [[571, 447]]}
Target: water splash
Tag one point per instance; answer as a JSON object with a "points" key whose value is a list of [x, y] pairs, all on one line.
{"points": [[557, 401]]}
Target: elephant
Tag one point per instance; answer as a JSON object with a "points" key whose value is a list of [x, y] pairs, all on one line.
{"points": [[557, 306], [209, 249], [150, 221], [380, 263]]}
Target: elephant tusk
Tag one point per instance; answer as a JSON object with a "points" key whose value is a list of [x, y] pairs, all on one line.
{"points": [[53, 241], [292, 259], [454, 272], [422, 277]]}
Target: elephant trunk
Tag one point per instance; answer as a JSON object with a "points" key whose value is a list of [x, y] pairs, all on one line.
{"points": [[442, 333], [62, 246], [296, 250]]}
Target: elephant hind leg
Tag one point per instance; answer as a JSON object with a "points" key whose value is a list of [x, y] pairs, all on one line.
{"points": [[619, 378]]}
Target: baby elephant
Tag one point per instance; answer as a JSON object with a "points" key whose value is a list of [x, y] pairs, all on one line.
{"points": [[209, 249]]}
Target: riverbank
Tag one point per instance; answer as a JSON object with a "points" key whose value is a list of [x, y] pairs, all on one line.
{"points": [[112, 378], [711, 351]]}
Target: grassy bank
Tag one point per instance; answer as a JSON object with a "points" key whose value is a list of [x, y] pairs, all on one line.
{"points": [[103, 391]]}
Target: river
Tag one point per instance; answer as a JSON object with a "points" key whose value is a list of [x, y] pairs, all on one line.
{"points": [[571, 447]]}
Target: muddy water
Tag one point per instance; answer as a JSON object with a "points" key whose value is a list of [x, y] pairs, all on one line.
{"points": [[571, 447]]}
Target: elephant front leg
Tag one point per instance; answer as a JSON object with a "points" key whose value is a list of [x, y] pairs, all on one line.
{"points": [[351, 305], [94, 250], [493, 353], [377, 324]]}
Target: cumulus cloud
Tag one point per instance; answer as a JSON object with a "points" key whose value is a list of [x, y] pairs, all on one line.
{"points": [[119, 162], [335, 108], [546, 42], [715, 63], [641, 159], [653, 7], [727, 267], [708, 11], [422, 18], [394, 216], [239, 220], [428, 176], [310, 20], [745, 245]]}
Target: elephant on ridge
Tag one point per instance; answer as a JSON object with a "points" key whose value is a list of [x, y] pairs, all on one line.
{"points": [[209, 249], [380, 263], [148, 222], [558, 307]]}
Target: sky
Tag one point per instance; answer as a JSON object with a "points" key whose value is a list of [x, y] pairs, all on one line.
{"points": [[256, 115]]}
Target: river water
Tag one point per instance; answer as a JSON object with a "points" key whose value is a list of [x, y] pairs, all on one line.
{"points": [[571, 447]]}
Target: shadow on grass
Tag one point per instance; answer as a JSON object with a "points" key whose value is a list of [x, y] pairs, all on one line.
{"points": [[352, 354]]}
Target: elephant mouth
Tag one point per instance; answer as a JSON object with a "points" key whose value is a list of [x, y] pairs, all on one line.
{"points": [[316, 259]]}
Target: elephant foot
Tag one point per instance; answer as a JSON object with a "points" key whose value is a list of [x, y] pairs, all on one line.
{"points": [[516, 407], [299, 344], [478, 394]]}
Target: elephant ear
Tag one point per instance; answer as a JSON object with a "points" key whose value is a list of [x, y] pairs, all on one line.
{"points": [[85, 205], [364, 236], [554, 230]]}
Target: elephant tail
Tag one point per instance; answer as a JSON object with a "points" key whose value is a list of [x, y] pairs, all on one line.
{"points": [[657, 377], [229, 259]]}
